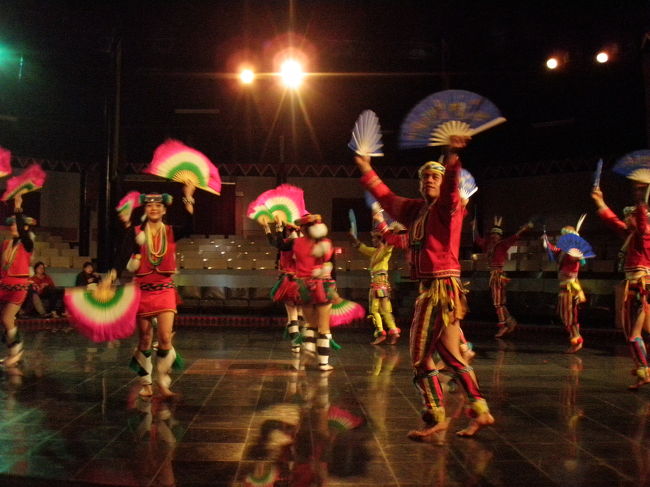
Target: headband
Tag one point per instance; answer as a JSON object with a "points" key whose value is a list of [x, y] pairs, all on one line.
{"points": [[431, 166], [164, 198]]}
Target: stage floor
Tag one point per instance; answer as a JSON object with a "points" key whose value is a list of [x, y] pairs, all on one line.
{"points": [[246, 415]]}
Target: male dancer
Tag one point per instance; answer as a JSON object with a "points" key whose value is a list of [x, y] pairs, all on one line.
{"points": [[496, 248], [434, 225], [379, 305], [636, 231]]}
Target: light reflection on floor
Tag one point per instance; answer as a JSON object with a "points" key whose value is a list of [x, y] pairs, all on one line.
{"points": [[249, 413]]}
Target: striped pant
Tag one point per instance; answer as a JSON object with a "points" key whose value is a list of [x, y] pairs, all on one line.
{"points": [[569, 297], [435, 327], [498, 282]]}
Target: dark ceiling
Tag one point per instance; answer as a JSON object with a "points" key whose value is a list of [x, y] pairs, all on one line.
{"points": [[177, 59]]}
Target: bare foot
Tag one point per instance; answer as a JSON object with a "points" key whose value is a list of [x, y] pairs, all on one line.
{"points": [[639, 384], [574, 346], [146, 391], [165, 392], [482, 420], [425, 434]]}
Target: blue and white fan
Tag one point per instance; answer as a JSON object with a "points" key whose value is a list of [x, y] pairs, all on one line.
{"points": [[597, 173], [366, 135], [467, 185], [353, 223], [438, 117], [635, 166], [575, 246]]}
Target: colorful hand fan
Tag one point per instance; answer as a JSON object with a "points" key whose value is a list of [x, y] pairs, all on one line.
{"points": [[366, 135], [105, 313], [575, 246], [447, 113], [545, 243], [372, 203], [345, 312], [286, 202], [467, 185], [342, 419], [31, 179], [597, 173], [259, 213], [5, 162], [127, 204], [353, 223], [178, 162], [635, 166]]}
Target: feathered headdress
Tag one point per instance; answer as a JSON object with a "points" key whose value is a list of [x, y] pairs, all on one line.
{"points": [[498, 220]]}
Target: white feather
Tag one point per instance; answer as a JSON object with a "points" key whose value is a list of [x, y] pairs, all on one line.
{"points": [[366, 135]]}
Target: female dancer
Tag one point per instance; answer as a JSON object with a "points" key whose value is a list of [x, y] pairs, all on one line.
{"points": [[14, 277], [313, 253], [154, 263], [285, 290]]}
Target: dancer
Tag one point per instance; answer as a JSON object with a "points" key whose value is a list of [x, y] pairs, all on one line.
{"points": [[285, 290], [570, 295], [313, 253], [636, 232], [379, 306], [14, 278], [154, 263], [434, 224], [496, 248]]}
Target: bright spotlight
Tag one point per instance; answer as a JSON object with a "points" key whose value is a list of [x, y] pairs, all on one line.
{"points": [[291, 73], [602, 57], [552, 63], [246, 76]]}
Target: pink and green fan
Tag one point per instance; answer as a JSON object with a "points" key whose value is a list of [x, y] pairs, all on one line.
{"points": [[635, 166], [438, 117], [344, 312], [31, 179], [342, 419], [5, 162], [286, 202], [127, 204], [104, 313], [178, 162]]}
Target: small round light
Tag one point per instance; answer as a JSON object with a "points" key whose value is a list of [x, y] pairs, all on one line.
{"points": [[552, 63], [246, 76], [602, 57]]}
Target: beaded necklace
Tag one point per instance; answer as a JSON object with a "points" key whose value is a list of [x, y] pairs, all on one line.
{"points": [[156, 244]]}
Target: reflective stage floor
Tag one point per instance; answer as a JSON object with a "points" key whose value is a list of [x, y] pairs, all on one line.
{"points": [[246, 415]]}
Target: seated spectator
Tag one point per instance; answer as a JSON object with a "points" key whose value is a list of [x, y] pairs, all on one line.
{"points": [[44, 296], [88, 276]]}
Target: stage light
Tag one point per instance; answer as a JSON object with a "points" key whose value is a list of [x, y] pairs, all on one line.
{"points": [[246, 76], [291, 73], [602, 57], [552, 63]]}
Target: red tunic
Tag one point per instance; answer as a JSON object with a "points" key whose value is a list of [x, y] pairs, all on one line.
{"points": [[637, 257], [568, 266], [305, 262], [497, 254], [14, 275], [436, 255]]}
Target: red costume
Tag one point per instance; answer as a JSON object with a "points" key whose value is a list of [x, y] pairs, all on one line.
{"points": [[434, 241]]}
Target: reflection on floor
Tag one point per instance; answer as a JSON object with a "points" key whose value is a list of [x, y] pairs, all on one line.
{"points": [[248, 414]]}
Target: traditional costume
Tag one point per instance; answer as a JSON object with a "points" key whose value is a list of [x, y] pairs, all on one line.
{"points": [[154, 264], [379, 305], [636, 232], [312, 254], [434, 239], [570, 294], [285, 289], [14, 279], [496, 247]]}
